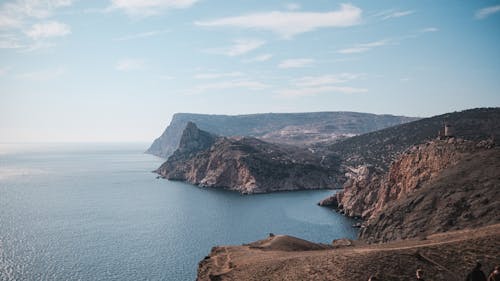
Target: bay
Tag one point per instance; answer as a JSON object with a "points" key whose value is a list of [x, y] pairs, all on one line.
{"points": [[96, 212]]}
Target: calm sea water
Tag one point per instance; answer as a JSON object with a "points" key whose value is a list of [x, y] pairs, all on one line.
{"points": [[96, 212]]}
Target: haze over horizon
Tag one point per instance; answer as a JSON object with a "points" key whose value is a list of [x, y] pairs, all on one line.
{"points": [[103, 71]]}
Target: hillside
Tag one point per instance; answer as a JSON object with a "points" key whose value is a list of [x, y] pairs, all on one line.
{"points": [[381, 147], [447, 256], [247, 165], [434, 187], [446, 191], [290, 128]]}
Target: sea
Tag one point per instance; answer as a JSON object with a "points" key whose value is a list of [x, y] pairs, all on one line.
{"points": [[97, 212]]}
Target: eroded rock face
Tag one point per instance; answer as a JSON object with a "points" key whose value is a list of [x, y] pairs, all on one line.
{"points": [[246, 165], [406, 201]]}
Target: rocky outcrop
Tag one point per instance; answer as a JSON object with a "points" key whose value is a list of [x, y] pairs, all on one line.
{"points": [[457, 193], [289, 128], [247, 165], [392, 202]]}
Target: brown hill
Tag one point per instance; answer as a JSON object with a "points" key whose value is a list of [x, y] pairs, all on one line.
{"points": [[446, 256]]}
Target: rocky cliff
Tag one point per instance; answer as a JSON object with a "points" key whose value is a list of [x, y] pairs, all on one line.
{"points": [[247, 165], [290, 128], [432, 187]]}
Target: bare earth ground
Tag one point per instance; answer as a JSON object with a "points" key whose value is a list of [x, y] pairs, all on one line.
{"points": [[444, 256]]}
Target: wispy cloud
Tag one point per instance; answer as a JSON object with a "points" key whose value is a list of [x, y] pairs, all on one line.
{"points": [[259, 58], [292, 6], [315, 85], [14, 14], [312, 81], [48, 29], [241, 84], [239, 47], [486, 12], [396, 14], [313, 91], [130, 64], [361, 48], [295, 63], [214, 75], [43, 75], [10, 41], [27, 24], [137, 8], [288, 24], [141, 35], [429, 29]]}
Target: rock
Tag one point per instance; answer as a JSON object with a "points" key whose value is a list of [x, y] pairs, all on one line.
{"points": [[330, 201], [343, 242], [247, 165]]}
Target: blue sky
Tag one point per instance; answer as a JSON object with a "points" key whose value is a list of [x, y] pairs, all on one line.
{"points": [[78, 71]]}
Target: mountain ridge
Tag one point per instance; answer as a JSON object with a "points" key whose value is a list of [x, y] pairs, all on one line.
{"points": [[286, 128]]}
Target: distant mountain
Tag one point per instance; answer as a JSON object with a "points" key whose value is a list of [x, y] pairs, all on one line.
{"points": [[381, 147], [290, 128], [246, 164]]}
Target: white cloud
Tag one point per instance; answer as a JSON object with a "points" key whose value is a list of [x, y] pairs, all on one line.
{"points": [[48, 29], [295, 63], [429, 29], [313, 91], [259, 58], [313, 81], [486, 12], [43, 75], [141, 35], [361, 48], [10, 41], [14, 14], [243, 46], [239, 47], [27, 24], [288, 24], [214, 75], [396, 14], [144, 8], [130, 64]]}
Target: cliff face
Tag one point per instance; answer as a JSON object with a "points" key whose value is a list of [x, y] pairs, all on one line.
{"points": [[246, 165], [464, 194], [393, 202], [289, 128]]}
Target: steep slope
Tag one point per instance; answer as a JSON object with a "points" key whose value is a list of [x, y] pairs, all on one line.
{"points": [[247, 165], [291, 128], [433, 187], [381, 147], [448, 194], [447, 256]]}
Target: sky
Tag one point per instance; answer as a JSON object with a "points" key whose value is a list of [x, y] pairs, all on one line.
{"points": [[117, 70]]}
